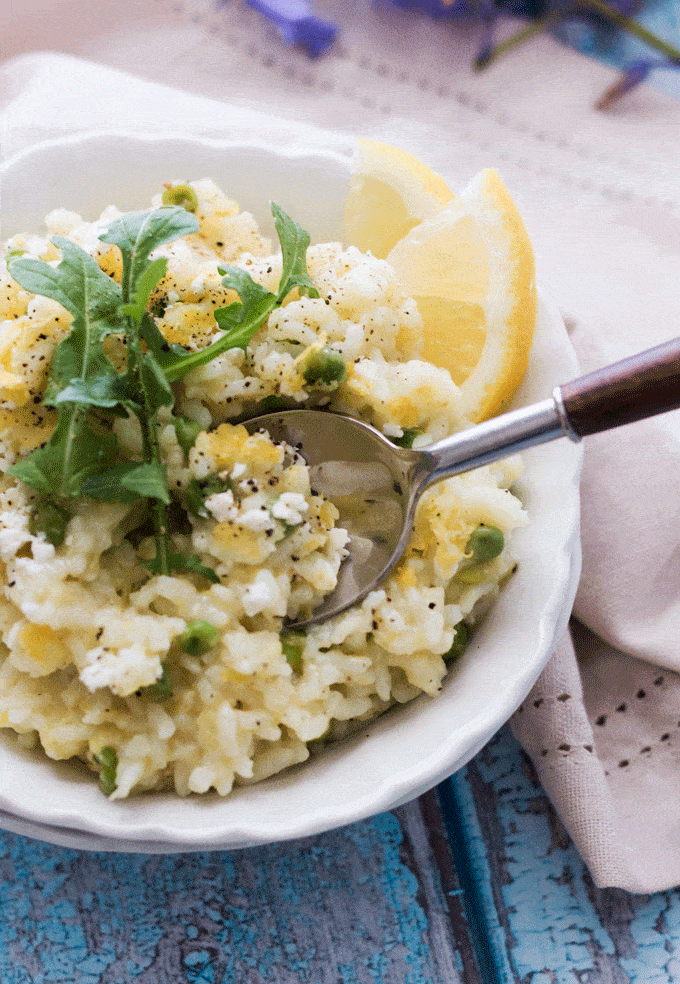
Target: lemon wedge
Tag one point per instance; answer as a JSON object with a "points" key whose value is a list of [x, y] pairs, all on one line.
{"points": [[390, 192], [470, 268]]}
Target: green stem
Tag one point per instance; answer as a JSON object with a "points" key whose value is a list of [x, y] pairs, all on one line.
{"points": [[159, 511], [151, 452], [77, 414], [628, 24], [549, 20], [525, 34], [132, 347], [236, 338]]}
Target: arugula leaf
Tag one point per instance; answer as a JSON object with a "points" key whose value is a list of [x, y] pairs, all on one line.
{"points": [[136, 234], [105, 389], [79, 364], [74, 453], [165, 353], [107, 485], [37, 470], [77, 283], [155, 386], [182, 562], [294, 245], [148, 481], [147, 281], [160, 690], [80, 372], [241, 320], [188, 562]]}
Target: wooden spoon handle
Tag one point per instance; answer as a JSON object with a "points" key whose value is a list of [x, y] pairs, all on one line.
{"points": [[630, 390]]}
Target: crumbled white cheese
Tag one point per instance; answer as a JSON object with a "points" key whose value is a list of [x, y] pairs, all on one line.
{"points": [[221, 505], [258, 519], [197, 285], [42, 307], [35, 246], [263, 594], [257, 597], [61, 221], [123, 670], [290, 507]]}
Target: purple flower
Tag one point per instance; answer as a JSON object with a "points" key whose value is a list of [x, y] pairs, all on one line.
{"points": [[296, 23], [632, 76], [478, 9], [561, 16], [435, 8]]}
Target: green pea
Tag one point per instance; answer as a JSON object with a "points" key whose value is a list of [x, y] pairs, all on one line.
{"points": [[292, 645], [407, 438], [107, 759], [181, 194], [162, 688], [461, 638], [198, 638], [324, 366], [187, 430], [270, 404], [485, 543], [51, 520]]}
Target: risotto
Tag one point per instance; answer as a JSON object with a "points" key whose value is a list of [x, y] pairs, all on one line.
{"points": [[153, 552]]}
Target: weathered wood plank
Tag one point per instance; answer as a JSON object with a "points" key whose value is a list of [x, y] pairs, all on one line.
{"points": [[378, 901], [442, 858], [545, 921], [358, 905]]}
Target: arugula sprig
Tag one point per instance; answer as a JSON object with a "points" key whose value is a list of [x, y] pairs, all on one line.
{"points": [[136, 234], [241, 320], [81, 457], [81, 375]]}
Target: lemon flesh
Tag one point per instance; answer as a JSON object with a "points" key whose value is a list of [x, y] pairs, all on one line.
{"points": [[390, 193], [471, 271]]}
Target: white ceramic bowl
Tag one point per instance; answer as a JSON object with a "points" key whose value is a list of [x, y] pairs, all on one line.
{"points": [[413, 747]]}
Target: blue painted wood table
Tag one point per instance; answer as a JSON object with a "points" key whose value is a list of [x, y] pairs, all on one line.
{"points": [[474, 883]]}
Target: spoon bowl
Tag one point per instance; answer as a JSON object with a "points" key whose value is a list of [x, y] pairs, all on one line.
{"points": [[376, 485]]}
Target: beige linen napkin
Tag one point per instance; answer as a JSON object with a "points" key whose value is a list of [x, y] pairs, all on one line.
{"points": [[601, 198]]}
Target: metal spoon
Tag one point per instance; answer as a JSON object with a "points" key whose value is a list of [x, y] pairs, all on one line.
{"points": [[352, 463]]}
